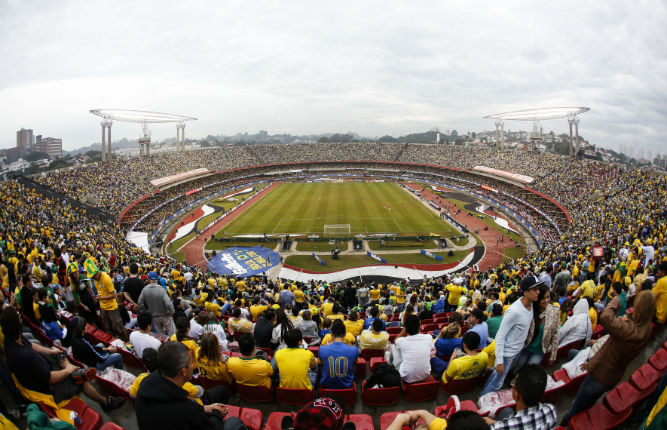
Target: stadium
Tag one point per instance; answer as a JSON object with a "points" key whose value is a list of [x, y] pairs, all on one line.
{"points": [[271, 232]]}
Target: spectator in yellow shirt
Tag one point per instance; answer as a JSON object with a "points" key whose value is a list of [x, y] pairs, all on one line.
{"points": [[248, 370], [211, 363], [354, 325], [660, 292], [468, 363], [297, 366]]}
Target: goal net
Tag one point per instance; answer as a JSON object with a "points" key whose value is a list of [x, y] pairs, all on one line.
{"points": [[330, 229]]}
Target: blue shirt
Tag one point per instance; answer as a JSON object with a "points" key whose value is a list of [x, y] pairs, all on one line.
{"points": [[338, 365], [368, 322], [446, 346], [483, 331], [439, 306]]}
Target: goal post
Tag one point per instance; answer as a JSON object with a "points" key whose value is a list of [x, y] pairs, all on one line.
{"points": [[332, 229]]}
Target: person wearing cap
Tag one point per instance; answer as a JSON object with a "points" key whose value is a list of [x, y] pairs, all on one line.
{"points": [[106, 296], [321, 413], [154, 299], [512, 334]]}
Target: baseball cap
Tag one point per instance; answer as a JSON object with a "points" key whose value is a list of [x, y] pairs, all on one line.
{"points": [[323, 412], [529, 281], [152, 276]]}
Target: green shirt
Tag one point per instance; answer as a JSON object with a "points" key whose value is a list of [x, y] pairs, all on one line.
{"points": [[535, 346], [494, 325]]}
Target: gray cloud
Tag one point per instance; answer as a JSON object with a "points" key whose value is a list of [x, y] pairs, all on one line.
{"points": [[377, 67]]}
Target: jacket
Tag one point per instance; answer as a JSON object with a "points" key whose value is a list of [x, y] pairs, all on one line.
{"points": [[154, 299], [163, 405], [550, 336], [626, 340], [578, 326], [86, 353]]}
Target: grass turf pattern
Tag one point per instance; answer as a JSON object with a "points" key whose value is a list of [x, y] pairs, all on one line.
{"points": [[369, 208]]}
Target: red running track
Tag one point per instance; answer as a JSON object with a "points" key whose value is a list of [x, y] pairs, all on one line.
{"points": [[196, 214], [493, 255], [194, 250]]}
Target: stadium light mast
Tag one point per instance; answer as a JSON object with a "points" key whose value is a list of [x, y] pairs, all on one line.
{"points": [[541, 114], [144, 118]]}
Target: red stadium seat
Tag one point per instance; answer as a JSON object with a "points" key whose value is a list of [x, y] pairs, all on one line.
{"points": [[427, 321], [552, 396], [571, 385], [90, 419], [207, 383], [379, 396], [625, 396], [275, 419], [598, 417], [294, 396], [361, 421], [659, 359], [421, 391], [252, 418], [111, 389], [460, 386], [348, 395], [315, 350], [375, 362], [394, 330], [425, 328], [466, 405], [367, 354], [598, 332], [131, 360], [563, 350], [360, 372], [645, 377], [392, 338], [254, 394]]}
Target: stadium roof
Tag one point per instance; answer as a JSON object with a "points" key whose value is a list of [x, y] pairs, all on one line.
{"points": [[540, 114], [128, 115]]}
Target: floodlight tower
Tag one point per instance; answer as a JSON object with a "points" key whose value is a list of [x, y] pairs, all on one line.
{"points": [[542, 114], [144, 118]]}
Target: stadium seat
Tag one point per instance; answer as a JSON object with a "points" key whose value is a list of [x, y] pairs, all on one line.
{"points": [[367, 354], [252, 418], [563, 350], [360, 372], [348, 395], [254, 394], [571, 385], [659, 359], [460, 386], [394, 330], [275, 419], [207, 383], [388, 417], [131, 360], [598, 332], [315, 350], [421, 391], [625, 396], [361, 421], [466, 405], [294, 396], [379, 396], [598, 417], [111, 389], [425, 328], [90, 419], [392, 337], [645, 377], [552, 396], [375, 362]]}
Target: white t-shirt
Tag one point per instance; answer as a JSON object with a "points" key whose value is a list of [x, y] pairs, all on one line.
{"points": [[196, 330], [416, 357], [141, 341]]}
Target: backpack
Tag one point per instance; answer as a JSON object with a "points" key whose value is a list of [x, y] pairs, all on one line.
{"points": [[385, 375]]}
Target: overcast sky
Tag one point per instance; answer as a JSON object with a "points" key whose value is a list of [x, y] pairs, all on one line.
{"points": [[299, 67]]}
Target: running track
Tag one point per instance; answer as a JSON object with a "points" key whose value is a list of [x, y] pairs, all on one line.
{"points": [[489, 237], [194, 250]]}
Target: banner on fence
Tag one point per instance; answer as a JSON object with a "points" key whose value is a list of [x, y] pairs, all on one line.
{"points": [[430, 254], [375, 256]]}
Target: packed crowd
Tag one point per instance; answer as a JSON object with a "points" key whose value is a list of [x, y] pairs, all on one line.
{"points": [[66, 271]]}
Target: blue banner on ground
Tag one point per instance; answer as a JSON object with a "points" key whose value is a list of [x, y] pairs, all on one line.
{"points": [[243, 261], [430, 254], [377, 257], [316, 257]]}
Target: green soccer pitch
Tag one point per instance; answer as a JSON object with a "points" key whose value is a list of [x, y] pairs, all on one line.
{"points": [[342, 209]]}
